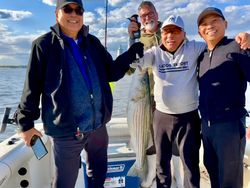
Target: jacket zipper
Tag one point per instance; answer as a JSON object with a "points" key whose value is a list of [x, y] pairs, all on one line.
{"points": [[90, 92], [210, 62]]}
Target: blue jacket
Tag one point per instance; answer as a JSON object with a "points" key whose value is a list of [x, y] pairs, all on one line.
{"points": [[47, 79], [223, 76]]}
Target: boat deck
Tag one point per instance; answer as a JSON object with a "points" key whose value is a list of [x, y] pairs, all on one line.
{"points": [[19, 166]]}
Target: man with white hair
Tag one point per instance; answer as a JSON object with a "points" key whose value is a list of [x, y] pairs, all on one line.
{"points": [[150, 35]]}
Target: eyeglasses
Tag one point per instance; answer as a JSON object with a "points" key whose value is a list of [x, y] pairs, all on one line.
{"points": [[68, 10], [150, 14]]}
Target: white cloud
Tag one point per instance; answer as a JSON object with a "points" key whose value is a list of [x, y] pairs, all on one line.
{"points": [[116, 2], [13, 14], [17, 47], [89, 18], [226, 1], [238, 17], [50, 2], [3, 28]]}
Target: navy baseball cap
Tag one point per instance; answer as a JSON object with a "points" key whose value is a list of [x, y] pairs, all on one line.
{"points": [[207, 11], [62, 3]]}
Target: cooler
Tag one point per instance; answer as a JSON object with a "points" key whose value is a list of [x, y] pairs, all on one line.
{"points": [[120, 159]]}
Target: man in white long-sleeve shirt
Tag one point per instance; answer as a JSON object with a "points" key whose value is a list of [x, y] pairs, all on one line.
{"points": [[176, 118]]}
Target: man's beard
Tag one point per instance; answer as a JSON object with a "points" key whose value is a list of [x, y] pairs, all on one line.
{"points": [[150, 26]]}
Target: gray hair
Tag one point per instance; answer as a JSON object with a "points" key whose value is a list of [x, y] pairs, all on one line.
{"points": [[146, 3]]}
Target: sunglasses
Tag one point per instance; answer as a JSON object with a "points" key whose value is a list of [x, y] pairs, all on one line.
{"points": [[68, 10]]}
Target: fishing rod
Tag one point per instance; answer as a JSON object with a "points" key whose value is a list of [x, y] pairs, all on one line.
{"points": [[106, 21], [6, 120], [106, 24]]}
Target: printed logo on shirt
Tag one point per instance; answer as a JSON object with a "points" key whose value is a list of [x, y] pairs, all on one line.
{"points": [[176, 67]]}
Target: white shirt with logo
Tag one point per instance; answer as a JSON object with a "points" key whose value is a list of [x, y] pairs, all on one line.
{"points": [[175, 77]]}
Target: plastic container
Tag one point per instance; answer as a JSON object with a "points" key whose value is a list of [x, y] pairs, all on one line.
{"points": [[120, 159]]}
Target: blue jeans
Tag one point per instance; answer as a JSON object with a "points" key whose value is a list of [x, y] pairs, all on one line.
{"points": [[224, 146], [67, 152]]}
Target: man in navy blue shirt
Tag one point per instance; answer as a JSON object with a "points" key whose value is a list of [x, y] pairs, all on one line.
{"points": [[70, 71], [224, 71]]}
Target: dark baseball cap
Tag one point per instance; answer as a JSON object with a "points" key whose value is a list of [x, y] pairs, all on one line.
{"points": [[207, 11], [62, 3]]}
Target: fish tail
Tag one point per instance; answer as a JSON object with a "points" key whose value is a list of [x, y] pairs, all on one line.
{"points": [[132, 171]]}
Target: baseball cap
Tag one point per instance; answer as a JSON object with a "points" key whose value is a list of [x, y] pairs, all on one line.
{"points": [[173, 20], [207, 11], [62, 3]]}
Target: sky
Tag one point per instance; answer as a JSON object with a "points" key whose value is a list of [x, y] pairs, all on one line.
{"points": [[21, 21]]}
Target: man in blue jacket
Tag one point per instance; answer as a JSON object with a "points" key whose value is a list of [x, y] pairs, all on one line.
{"points": [[70, 71], [224, 71]]}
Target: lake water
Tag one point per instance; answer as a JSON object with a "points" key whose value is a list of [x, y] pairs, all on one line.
{"points": [[11, 84]]}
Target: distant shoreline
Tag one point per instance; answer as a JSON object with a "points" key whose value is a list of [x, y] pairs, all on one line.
{"points": [[13, 66]]}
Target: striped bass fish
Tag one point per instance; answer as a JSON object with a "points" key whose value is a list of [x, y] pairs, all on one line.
{"points": [[139, 117]]}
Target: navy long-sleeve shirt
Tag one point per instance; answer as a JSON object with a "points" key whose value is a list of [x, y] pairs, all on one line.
{"points": [[223, 76]]}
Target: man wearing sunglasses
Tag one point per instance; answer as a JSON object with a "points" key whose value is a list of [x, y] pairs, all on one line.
{"points": [[70, 71]]}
